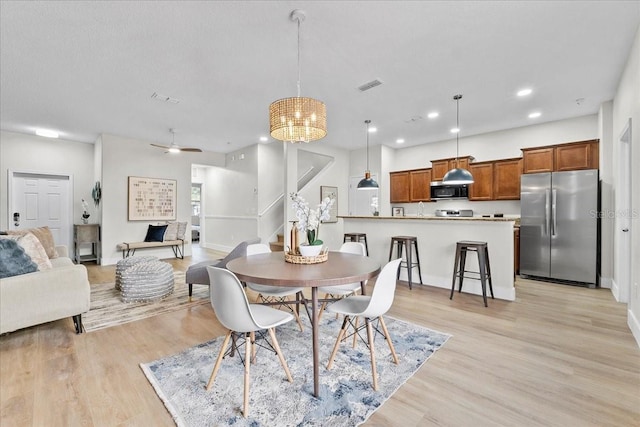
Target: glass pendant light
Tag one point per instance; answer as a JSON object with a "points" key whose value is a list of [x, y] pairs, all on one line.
{"points": [[367, 183], [458, 175]]}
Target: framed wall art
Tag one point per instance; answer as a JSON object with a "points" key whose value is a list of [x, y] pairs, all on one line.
{"points": [[397, 211], [152, 199], [326, 191]]}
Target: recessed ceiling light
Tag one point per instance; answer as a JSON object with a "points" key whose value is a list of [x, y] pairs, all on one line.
{"points": [[535, 115], [47, 133], [399, 141], [524, 92], [373, 129], [433, 115], [455, 130], [264, 139]]}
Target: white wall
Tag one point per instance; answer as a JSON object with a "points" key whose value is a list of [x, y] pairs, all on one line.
{"points": [[626, 105], [31, 153], [123, 157]]}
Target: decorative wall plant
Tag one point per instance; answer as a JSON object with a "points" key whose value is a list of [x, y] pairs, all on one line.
{"points": [[96, 193]]}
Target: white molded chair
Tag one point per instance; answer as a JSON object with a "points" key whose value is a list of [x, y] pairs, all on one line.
{"points": [[371, 308], [233, 310], [341, 291], [273, 294]]}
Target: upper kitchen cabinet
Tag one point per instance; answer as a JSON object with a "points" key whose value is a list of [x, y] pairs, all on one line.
{"points": [[399, 187], [564, 157], [439, 168], [420, 185], [482, 187], [410, 186], [506, 179], [580, 155]]}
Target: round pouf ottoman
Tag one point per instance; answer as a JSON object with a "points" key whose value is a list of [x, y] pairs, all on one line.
{"points": [[146, 281], [125, 263]]}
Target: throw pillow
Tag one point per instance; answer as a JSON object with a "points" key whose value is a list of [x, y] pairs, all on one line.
{"points": [[155, 233], [33, 248], [172, 231], [44, 236], [13, 259], [182, 229]]}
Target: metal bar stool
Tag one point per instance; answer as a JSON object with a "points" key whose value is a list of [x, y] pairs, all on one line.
{"points": [[357, 237], [482, 250], [407, 242]]}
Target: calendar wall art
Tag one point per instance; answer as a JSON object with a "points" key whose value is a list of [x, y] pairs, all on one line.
{"points": [[152, 199]]}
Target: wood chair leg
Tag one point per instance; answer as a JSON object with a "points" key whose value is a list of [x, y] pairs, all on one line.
{"points": [[276, 346], [247, 364], [345, 322], [373, 354], [322, 307], [297, 316], [388, 337], [225, 343], [252, 336], [355, 332]]}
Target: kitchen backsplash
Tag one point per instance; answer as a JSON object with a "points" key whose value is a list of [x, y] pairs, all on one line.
{"points": [[506, 207]]}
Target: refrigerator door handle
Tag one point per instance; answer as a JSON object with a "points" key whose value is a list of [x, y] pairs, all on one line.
{"points": [[554, 216], [546, 212]]}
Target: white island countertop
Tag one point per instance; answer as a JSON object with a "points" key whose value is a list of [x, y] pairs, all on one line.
{"points": [[438, 218], [437, 238]]}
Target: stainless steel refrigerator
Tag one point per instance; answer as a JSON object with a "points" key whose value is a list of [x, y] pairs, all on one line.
{"points": [[559, 226]]}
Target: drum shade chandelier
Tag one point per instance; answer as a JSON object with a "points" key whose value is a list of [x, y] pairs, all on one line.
{"points": [[367, 183], [298, 119], [458, 175]]}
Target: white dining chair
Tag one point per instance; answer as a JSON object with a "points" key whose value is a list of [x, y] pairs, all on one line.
{"points": [[233, 310], [341, 291], [371, 308], [273, 295]]}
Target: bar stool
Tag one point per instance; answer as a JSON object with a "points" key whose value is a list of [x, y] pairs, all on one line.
{"points": [[357, 237], [482, 250], [406, 242]]}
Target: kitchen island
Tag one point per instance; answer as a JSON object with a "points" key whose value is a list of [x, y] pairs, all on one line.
{"points": [[437, 237]]}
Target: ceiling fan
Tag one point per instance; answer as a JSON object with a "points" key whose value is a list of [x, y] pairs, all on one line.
{"points": [[175, 148]]}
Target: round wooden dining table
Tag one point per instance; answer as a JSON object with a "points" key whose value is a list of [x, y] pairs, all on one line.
{"points": [[339, 269]]}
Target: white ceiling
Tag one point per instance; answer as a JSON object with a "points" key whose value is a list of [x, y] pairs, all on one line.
{"points": [[87, 67]]}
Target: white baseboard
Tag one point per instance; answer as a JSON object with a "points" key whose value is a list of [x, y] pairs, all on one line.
{"points": [[634, 325], [606, 282], [470, 286], [615, 290]]}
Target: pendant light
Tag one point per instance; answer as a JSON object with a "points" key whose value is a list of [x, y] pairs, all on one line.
{"points": [[297, 119], [367, 183], [458, 175]]}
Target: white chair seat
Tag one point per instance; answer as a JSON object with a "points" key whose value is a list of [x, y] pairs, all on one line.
{"points": [[347, 289], [273, 291], [267, 317], [351, 306]]}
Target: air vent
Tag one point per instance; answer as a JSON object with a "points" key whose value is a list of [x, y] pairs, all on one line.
{"points": [[369, 85], [164, 98]]}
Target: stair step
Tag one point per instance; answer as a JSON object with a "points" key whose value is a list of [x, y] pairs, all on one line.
{"points": [[277, 246], [280, 237]]}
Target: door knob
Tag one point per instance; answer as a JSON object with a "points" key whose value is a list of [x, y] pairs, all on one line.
{"points": [[625, 230]]}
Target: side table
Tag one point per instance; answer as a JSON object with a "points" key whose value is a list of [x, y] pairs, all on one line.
{"points": [[85, 234]]}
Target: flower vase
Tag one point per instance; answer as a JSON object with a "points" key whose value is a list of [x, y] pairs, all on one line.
{"points": [[85, 218], [310, 250]]}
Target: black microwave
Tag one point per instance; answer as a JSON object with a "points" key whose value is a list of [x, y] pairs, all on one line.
{"points": [[443, 191]]}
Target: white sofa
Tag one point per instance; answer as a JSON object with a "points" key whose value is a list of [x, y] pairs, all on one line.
{"points": [[44, 296]]}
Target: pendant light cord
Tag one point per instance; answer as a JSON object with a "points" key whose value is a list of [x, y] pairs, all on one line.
{"points": [[298, 57], [457, 98], [367, 122]]}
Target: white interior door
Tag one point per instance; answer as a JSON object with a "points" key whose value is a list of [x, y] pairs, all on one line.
{"points": [[360, 201], [41, 200], [622, 236]]}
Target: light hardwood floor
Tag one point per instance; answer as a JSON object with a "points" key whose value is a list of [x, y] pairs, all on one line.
{"points": [[557, 356]]}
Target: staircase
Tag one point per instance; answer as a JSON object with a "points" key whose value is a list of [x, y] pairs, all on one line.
{"points": [[277, 246]]}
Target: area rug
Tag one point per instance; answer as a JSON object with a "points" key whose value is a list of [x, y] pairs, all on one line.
{"points": [[346, 394], [107, 308]]}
